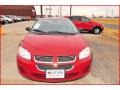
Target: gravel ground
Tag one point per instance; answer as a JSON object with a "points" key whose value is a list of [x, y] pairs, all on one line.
{"points": [[104, 68]]}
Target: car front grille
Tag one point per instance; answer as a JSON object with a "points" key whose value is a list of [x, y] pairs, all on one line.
{"points": [[45, 67], [61, 59], [43, 58], [46, 62], [66, 58]]}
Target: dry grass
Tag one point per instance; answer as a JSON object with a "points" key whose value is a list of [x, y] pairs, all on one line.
{"points": [[111, 32], [114, 21]]}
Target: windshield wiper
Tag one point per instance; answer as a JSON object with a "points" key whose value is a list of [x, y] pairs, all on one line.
{"points": [[37, 30], [58, 32]]}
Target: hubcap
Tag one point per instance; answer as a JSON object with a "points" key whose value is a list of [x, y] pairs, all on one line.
{"points": [[97, 30]]}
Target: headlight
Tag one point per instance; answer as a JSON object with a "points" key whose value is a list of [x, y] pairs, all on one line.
{"points": [[24, 53], [84, 53]]}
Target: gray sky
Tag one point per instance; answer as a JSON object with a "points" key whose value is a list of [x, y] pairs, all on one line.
{"points": [[82, 10]]}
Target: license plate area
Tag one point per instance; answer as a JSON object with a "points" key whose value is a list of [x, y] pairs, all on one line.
{"points": [[55, 73]]}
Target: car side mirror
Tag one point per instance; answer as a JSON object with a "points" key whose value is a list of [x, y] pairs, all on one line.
{"points": [[28, 28]]}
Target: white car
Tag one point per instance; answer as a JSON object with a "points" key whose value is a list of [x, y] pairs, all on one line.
{"points": [[2, 21], [18, 18], [6, 19]]}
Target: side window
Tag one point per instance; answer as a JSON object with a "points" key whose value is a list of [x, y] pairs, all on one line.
{"points": [[84, 19], [75, 18], [70, 18]]}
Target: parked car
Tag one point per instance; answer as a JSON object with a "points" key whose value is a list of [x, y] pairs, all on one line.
{"points": [[23, 18], [13, 17], [85, 24], [53, 51], [18, 18], [6, 19], [28, 18], [2, 21]]}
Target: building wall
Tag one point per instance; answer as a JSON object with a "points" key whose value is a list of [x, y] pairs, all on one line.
{"points": [[20, 10]]}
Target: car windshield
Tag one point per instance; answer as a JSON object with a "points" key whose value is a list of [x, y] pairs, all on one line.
{"points": [[54, 26]]}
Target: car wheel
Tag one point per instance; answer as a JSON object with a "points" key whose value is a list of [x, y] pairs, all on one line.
{"points": [[96, 30], [2, 23]]}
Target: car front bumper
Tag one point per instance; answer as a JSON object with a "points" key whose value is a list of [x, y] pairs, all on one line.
{"points": [[28, 69]]}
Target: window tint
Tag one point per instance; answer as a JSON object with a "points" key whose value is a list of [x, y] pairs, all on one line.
{"points": [[84, 19], [48, 25], [75, 18]]}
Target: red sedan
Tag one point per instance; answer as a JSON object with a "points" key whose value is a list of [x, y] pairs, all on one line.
{"points": [[85, 24], [53, 51]]}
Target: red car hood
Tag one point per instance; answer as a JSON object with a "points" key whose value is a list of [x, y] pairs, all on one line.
{"points": [[56, 44]]}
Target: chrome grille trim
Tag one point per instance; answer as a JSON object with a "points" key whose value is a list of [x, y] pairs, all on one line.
{"points": [[70, 68], [57, 60], [55, 68], [42, 61], [39, 68], [68, 61], [64, 63]]}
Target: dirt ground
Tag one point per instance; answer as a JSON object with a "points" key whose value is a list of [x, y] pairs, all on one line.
{"points": [[114, 21], [109, 21], [104, 68], [111, 32]]}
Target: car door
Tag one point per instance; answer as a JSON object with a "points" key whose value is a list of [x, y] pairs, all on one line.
{"points": [[86, 23], [76, 21]]}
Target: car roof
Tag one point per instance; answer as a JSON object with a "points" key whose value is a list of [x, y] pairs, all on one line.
{"points": [[76, 16], [54, 18]]}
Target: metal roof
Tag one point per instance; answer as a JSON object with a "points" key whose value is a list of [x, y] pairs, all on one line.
{"points": [[22, 10]]}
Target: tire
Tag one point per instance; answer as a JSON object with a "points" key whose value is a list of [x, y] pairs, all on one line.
{"points": [[97, 30], [2, 23]]}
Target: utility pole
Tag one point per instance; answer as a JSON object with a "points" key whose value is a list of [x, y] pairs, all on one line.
{"points": [[70, 10], [60, 10], [93, 16], [50, 9], [41, 11]]}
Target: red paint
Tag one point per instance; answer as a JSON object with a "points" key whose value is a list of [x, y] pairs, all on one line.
{"points": [[85, 26], [54, 45]]}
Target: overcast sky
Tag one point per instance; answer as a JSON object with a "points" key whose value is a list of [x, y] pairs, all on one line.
{"points": [[81, 10]]}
